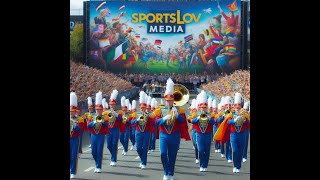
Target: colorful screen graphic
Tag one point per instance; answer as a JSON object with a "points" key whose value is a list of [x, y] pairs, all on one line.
{"points": [[161, 37]]}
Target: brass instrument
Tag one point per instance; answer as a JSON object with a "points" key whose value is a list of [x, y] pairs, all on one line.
{"points": [[99, 119], [181, 97], [111, 116], [125, 118], [98, 123], [203, 121], [72, 120], [143, 119]]}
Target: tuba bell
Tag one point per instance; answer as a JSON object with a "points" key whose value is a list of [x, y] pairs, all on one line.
{"points": [[181, 96]]}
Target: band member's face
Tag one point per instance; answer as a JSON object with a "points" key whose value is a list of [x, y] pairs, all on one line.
{"points": [[147, 109], [134, 110], [72, 113], [124, 109], [77, 113], [227, 107], [237, 108], [194, 111], [169, 103], [99, 111], [203, 109], [112, 106], [142, 109], [90, 109]]}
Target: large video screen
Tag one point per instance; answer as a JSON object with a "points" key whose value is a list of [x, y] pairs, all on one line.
{"points": [[162, 37]]}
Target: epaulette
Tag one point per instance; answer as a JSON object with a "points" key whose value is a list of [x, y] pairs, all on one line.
{"points": [[229, 115], [216, 116], [247, 116], [151, 115], [182, 111], [80, 120], [212, 115], [133, 115], [157, 112], [220, 114], [120, 112]]}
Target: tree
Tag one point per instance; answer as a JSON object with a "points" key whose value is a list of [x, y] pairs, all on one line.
{"points": [[76, 43]]}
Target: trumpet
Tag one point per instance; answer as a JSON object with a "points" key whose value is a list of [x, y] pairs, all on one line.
{"points": [[203, 117], [125, 119], [143, 119], [99, 119]]}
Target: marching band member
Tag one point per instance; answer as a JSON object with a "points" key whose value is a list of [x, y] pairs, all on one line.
{"points": [[114, 122], [247, 129], [204, 127], [225, 144], [193, 113], [171, 123], [218, 113], [237, 134], [98, 128], [81, 132], [125, 126], [133, 127], [209, 109], [144, 126], [85, 116], [148, 110], [76, 125], [152, 145]]}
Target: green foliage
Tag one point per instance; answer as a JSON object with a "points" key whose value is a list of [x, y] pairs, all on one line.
{"points": [[76, 43]]}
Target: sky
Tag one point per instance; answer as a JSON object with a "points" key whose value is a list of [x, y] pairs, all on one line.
{"points": [[76, 4]]}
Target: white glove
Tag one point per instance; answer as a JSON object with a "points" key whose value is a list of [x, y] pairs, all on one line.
{"points": [[237, 118], [167, 117], [94, 122], [116, 114], [74, 124], [176, 111], [138, 119]]}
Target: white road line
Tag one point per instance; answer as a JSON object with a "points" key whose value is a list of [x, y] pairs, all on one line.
{"points": [[87, 150], [89, 169]]}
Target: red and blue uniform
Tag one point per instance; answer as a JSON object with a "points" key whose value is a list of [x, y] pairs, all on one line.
{"points": [[125, 134], [113, 136], [237, 137], [153, 137], [246, 139], [132, 129], [170, 139], [74, 145], [143, 137], [204, 138], [194, 139], [225, 143], [97, 140]]}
